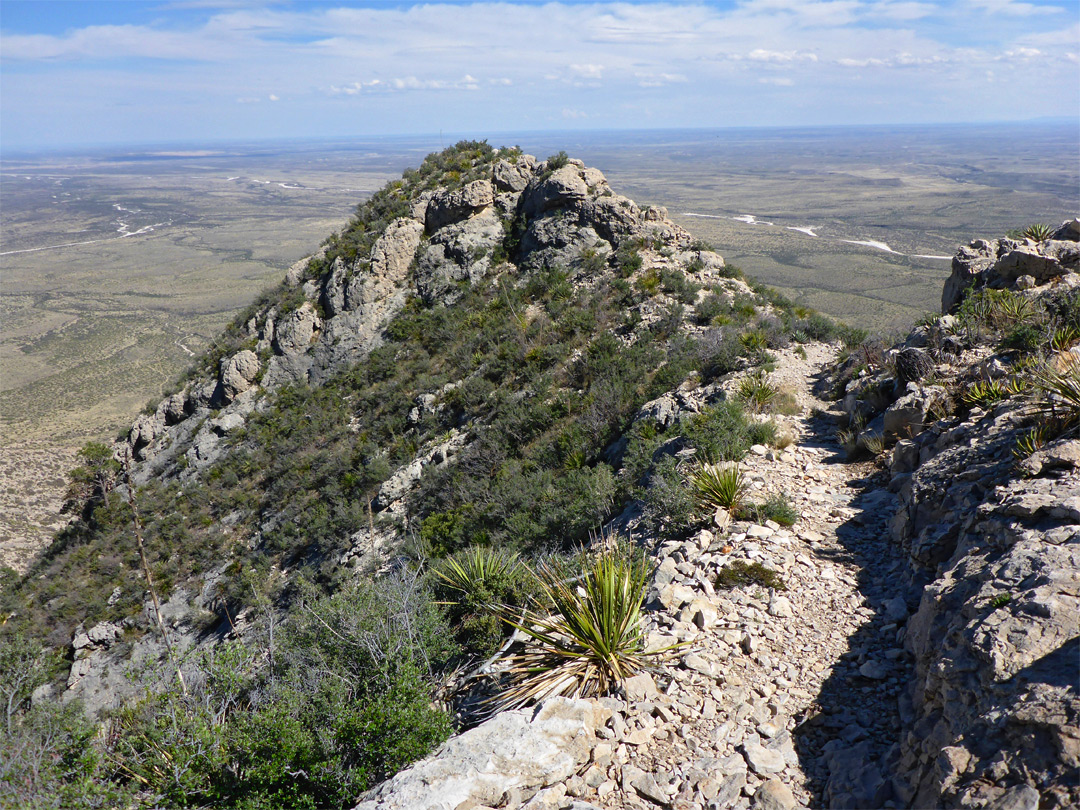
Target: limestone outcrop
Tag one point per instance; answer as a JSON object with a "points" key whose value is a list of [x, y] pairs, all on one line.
{"points": [[510, 758], [995, 638], [526, 214], [1011, 263]]}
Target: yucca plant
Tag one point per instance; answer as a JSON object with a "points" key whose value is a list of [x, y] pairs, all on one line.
{"points": [[1037, 231], [718, 485], [756, 392], [754, 340], [467, 570], [1064, 337], [848, 438], [874, 444], [474, 584], [1059, 392], [591, 641], [1031, 442]]}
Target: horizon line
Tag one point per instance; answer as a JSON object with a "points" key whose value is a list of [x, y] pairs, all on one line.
{"points": [[454, 135]]}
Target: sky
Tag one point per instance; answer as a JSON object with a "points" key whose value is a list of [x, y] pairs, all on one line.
{"points": [[80, 73]]}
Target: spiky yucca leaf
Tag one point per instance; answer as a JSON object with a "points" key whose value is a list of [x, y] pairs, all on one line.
{"points": [[591, 641], [984, 393], [718, 485], [477, 565], [756, 392], [1060, 391]]}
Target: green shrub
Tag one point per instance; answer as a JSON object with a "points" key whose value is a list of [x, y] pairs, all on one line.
{"points": [[724, 432], [627, 259], [668, 504], [817, 327], [776, 508], [739, 573], [558, 161], [343, 701], [709, 308], [1024, 338]]}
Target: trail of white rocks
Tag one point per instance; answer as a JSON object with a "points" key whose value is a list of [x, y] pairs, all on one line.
{"points": [[776, 690]]}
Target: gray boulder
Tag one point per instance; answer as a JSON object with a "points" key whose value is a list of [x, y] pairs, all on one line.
{"points": [[448, 207], [519, 750], [238, 373], [562, 188], [1068, 232], [457, 253], [295, 331], [513, 177], [910, 414]]}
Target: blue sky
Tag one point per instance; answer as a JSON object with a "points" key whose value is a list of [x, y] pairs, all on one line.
{"points": [[200, 70]]}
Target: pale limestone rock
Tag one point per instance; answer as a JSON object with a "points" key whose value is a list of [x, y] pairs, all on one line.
{"points": [[524, 749], [238, 373]]}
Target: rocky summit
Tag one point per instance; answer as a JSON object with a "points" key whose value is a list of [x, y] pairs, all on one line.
{"points": [[309, 576]]}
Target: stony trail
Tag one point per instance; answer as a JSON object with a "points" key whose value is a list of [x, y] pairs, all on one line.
{"points": [[776, 689]]}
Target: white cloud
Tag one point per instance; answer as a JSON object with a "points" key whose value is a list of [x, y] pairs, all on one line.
{"points": [[860, 63], [573, 115], [1013, 8], [780, 57], [779, 81], [1021, 53], [902, 11], [588, 71], [524, 63], [112, 42], [272, 97], [658, 79]]}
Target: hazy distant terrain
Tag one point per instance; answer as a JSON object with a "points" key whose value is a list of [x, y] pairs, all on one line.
{"points": [[921, 191], [117, 266]]}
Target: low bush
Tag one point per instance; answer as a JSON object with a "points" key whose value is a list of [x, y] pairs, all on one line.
{"points": [[337, 702], [776, 508], [739, 573]]}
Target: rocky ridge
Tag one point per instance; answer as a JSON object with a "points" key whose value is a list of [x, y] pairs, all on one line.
{"points": [[449, 237], [878, 678], [332, 312]]}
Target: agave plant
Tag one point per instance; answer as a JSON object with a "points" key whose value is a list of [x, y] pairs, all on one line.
{"points": [[1031, 442], [591, 641], [1037, 232], [718, 485], [984, 393]]}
